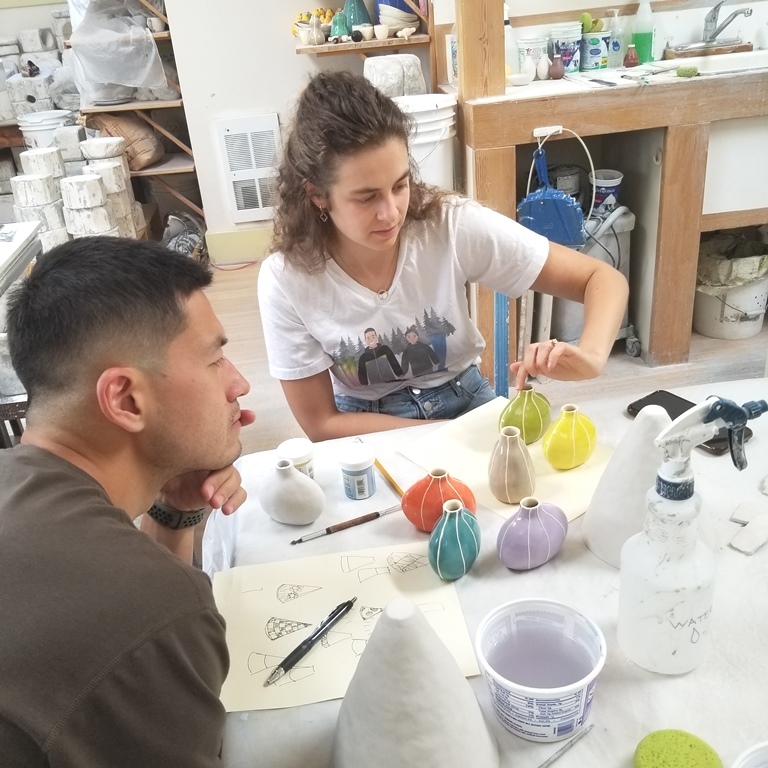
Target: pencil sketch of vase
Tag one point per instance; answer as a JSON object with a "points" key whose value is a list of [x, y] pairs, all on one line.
{"points": [[510, 471]]}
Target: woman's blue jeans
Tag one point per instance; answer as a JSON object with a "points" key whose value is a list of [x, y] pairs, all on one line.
{"points": [[464, 392]]}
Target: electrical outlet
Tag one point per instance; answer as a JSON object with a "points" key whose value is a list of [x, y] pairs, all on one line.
{"points": [[547, 130]]}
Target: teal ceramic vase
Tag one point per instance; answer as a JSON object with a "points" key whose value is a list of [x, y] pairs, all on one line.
{"points": [[340, 26], [455, 541], [530, 412], [571, 439], [356, 13]]}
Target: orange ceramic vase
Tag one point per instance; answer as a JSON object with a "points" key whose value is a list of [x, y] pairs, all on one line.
{"points": [[423, 502]]}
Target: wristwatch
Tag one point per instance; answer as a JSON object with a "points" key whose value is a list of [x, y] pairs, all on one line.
{"points": [[175, 518]]}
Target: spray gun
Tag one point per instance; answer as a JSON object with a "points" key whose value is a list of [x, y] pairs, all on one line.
{"points": [[699, 424], [667, 574]]}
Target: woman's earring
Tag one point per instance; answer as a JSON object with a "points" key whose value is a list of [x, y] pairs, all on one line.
{"points": [[323, 215]]}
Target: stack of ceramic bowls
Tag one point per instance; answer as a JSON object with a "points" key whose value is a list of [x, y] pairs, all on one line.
{"points": [[565, 41], [395, 18]]}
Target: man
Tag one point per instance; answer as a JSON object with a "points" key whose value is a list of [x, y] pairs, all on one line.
{"points": [[378, 363], [112, 652], [417, 356]]}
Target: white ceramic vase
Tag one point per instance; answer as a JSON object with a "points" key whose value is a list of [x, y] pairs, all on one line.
{"points": [[291, 497], [618, 508], [409, 704]]}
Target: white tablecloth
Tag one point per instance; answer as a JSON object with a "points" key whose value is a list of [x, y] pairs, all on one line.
{"points": [[724, 701]]}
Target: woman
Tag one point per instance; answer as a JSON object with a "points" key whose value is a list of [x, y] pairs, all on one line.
{"points": [[365, 254]]}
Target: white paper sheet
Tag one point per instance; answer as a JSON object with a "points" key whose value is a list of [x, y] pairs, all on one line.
{"points": [[463, 447], [271, 608]]}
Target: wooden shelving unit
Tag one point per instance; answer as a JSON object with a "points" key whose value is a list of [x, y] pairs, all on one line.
{"points": [[332, 49], [131, 106], [181, 162], [391, 45]]}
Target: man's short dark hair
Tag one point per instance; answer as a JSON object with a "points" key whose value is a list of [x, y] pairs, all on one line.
{"points": [[93, 295]]}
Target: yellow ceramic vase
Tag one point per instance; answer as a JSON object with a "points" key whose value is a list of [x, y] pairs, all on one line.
{"points": [[570, 440]]}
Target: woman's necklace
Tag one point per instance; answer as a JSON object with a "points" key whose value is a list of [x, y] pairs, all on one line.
{"points": [[381, 295]]}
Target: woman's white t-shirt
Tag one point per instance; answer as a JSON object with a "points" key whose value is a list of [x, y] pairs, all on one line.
{"points": [[419, 333]]}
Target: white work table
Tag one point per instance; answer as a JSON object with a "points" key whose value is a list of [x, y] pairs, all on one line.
{"points": [[723, 701]]}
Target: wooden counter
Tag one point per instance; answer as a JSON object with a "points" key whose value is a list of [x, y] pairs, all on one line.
{"points": [[684, 109], [491, 126]]}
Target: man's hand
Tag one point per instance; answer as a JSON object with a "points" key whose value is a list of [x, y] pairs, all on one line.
{"points": [[220, 489]]}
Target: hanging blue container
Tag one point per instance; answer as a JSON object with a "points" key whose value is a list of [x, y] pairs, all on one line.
{"points": [[455, 541]]}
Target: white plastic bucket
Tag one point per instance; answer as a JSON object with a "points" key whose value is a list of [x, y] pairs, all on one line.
{"points": [[432, 144], [736, 313], [593, 50], [567, 45], [554, 654], [38, 128], [607, 185], [754, 757], [435, 154]]}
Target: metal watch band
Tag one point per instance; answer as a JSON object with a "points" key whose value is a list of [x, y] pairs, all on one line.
{"points": [[175, 518]]}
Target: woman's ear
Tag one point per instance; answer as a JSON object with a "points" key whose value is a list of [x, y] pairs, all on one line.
{"points": [[318, 199]]}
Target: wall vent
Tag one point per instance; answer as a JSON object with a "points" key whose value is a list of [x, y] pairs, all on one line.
{"points": [[250, 147]]}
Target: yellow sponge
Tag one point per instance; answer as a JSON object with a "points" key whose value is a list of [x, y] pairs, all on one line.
{"points": [[687, 71], [675, 749]]}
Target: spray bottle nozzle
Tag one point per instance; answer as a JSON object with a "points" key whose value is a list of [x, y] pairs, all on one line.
{"points": [[735, 418]]}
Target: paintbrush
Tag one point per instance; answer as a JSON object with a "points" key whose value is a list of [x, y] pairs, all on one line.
{"points": [[347, 524]]}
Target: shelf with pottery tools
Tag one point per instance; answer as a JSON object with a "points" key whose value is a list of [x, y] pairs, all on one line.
{"points": [[331, 49]]}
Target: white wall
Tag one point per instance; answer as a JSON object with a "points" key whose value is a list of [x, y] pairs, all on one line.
{"points": [[29, 17], [238, 58]]}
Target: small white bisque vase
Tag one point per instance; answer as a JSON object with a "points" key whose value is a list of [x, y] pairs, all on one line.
{"points": [[291, 497]]}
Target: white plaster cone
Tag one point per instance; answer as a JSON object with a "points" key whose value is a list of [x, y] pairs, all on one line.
{"points": [[409, 704], [618, 506]]}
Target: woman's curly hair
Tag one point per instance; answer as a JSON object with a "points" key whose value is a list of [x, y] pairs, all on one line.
{"points": [[338, 114]]}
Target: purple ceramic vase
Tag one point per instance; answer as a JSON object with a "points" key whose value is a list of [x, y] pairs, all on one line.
{"points": [[532, 536]]}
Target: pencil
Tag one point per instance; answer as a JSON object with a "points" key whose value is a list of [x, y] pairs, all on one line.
{"points": [[347, 524], [390, 480]]}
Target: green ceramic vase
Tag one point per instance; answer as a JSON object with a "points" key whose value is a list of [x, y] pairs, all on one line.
{"points": [[530, 412], [455, 541], [571, 439]]}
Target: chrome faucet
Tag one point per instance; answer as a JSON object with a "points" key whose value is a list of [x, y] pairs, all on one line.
{"points": [[712, 29]]}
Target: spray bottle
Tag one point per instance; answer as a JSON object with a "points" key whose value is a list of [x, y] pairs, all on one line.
{"points": [[667, 574]]}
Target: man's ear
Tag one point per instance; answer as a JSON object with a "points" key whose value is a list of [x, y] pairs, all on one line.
{"points": [[121, 395]]}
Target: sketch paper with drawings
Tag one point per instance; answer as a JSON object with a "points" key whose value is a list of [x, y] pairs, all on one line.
{"points": [[270, 608]]}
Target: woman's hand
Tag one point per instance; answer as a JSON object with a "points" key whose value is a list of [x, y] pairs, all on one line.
{"points": [[557, 360], [220, 489]]}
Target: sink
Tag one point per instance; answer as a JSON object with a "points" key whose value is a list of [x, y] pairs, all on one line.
{"points": [[717, 64]]}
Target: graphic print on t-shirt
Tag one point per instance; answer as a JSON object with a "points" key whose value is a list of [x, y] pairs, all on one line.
{"points": [[404, 353]]}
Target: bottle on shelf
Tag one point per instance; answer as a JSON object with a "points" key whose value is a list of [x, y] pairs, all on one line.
{"points": [[618, 41], [630, 57], [666, 581], [644, 32], [510, 49], [557, 70]]}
